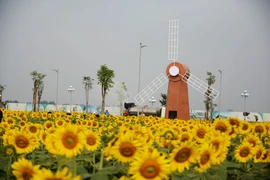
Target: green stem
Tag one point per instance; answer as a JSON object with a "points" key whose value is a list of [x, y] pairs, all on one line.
{"points": [[75, 166], [9, 167], [94, 162], [101, 160]]}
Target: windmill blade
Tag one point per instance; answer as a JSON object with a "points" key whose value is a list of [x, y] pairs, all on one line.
{"points": [[173, 40], [200, 85], [150, 89]]}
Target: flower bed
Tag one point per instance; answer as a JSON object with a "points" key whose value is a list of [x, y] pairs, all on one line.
{"points": [[47, 145]]}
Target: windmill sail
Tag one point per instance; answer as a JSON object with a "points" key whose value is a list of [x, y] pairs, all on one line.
{"points": [[173, 40], [199, 85], [150, 89]]}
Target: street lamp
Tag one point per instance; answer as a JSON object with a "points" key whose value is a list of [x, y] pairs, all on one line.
{"points": [[56, 102], [140, 60], [244, 95], [152, 101], [219, 103], [70, 90]]}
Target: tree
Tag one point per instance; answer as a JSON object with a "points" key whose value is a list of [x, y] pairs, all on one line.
{"points": [[39, 93], [87, 84], [209, 105], [105, 76], [121, 94], [163, 100], [38, 80], [2, 88]]}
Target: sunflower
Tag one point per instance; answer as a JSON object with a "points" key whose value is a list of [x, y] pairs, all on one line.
{"points": [[259, 128], [22, 124], [206, 157], [48, 124], [9, 150], [199, 133], [50, 144], [59, 123], [219, 142], [222, 126], [266, 156], [244, 128], [149, 165], [260, 151], [23, 142], [32, 129], [234, 121], [182, 156], [93, 140], [42, 136], [24, 169], [126, 148], [244, 152], [46, 174], [44, 115], [69, 141], [253, 140], [11, 121], [57, 115], [185, 136], [34, 115]]}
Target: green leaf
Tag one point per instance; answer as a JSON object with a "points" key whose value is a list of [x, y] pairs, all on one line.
{"points": [[100, 176], [81, 170]]}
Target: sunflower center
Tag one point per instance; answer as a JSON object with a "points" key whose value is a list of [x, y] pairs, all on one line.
{"points": [[48, 125], [245, 127], [251, 141], [216, 145], [221, 127], [244, 152], [22, 142], [258, 129], [182, 155], [91, 140], [33, 129], [258, 154], [204, 158], [9, 151], [60, 123], [70, 140], [150, 169], [27, 174], [127, 149], [185, 138], [201, 133]]}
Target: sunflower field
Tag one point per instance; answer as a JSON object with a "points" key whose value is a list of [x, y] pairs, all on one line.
{"points": [[58, 146]]}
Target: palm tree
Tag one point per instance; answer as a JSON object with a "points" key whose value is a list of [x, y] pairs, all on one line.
{"points": [[105, 76], [38, 80], [88, 84]]}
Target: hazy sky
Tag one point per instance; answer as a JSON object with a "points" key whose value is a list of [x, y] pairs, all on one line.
{"points": [[77, 37]]}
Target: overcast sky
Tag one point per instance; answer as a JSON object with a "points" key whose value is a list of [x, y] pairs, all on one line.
{"points": [[77, 37]]}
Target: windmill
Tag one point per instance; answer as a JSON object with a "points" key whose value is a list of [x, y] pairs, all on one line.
{"points": [[179, 77]]}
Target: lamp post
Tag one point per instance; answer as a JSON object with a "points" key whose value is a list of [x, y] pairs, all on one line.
{"points": [[70, 90], [56, 102], [244, 95], [139, 83], [219, 103], [152, 101]]}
